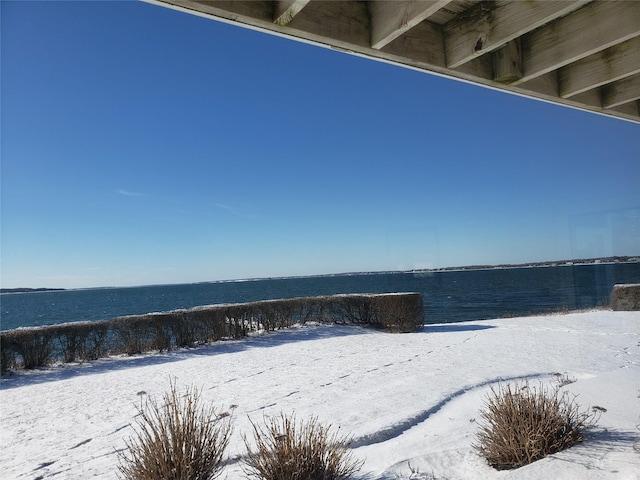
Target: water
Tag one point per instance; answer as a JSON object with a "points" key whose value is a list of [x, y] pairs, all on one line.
{"points": [[451, 296]]}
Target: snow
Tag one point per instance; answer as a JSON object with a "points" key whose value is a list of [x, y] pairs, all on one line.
{"points": [[410, 401]]}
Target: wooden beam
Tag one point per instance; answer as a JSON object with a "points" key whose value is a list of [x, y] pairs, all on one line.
{"points": [[390, 19], [620, 92], [628, 110], [545, 86], [590, 97], [422, 47], [490, 25], [610, 65], [422, 44], [343, 25], [568, 39], [247, 13], [507, 62], [285, 10], [340, 24]]}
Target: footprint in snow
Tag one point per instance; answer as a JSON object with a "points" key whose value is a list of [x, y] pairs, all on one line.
{"points": [[84, 442], [43, 465], [115, 431]]}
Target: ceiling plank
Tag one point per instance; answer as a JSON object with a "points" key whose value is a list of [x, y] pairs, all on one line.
{"points": [[390, 19], [620, 92], [489, 25], [285, 10], [610, 65], [567, 40]]}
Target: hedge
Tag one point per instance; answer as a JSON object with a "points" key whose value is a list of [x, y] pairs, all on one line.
{"points": [[34, 347]]}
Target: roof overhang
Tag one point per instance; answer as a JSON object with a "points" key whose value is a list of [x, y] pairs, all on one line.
{"points": [[578, 53]]}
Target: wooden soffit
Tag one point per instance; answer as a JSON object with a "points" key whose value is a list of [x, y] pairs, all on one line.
{"points": [[579, 53]]}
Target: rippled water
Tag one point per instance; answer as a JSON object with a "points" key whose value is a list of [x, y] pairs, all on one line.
{"points": [[450, 296]]}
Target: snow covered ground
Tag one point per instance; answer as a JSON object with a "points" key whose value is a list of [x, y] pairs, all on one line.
{"points": [[407, 399]]}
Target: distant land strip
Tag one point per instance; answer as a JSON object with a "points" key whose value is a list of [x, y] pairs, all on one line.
{"points": [[550, 263], [27, 290]]}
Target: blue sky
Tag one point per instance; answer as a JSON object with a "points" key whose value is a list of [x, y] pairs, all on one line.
{"points": [[141, 145]]}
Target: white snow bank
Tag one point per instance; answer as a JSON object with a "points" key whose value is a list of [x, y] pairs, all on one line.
{"points": [[407, 399]]}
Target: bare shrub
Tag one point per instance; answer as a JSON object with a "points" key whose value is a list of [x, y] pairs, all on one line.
{"points": [[214, 325], [266, 314], [275, 314], [521, 424], [8, 353], [286, 312], [136, 334], [39, 346], [399, 313], [286, 450], [156, 331], [323, 310], [71, 338], [304, 309], [34, 345], [357, 309], [177, 439], [96, 342], [237, 318], [392, 312], [186, 328], [199, 320], [625, 297]]}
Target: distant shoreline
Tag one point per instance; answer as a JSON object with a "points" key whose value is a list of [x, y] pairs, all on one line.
{"points": [[557, 263], [30, 290], [550, 263]]}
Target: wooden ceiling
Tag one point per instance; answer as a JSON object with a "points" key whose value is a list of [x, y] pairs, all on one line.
{"points": [[579, 53]]}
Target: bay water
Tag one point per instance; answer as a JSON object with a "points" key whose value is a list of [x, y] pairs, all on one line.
{"points": [[449, 296]]}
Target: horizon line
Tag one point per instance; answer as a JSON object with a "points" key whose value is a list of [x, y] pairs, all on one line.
{"points": [[558, 263]]}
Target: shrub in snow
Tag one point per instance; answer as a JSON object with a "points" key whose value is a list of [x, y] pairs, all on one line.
{"points": [[80, 341], [625, 297], [8, 354], [286, 450], [34, 345], [176, 439], [400, 313], [522, 424], [136, 334], [391, 312]]}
